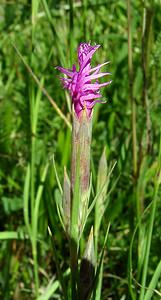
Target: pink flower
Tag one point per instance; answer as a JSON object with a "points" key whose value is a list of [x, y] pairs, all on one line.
{"points": [[83, 85]]}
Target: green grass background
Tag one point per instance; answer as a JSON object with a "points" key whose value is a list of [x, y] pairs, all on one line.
{"points": [[46, 34]]}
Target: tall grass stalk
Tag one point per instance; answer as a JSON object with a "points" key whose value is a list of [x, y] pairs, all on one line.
{"points": [[34, 10], [133, 293], [84, 6], [157, 182], [34, 99], [71, 29], [152, 285], [131, 96], [134, 132], [146, 47]]}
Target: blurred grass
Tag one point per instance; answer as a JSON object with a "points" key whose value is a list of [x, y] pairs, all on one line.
{"points": [[47, 34]]}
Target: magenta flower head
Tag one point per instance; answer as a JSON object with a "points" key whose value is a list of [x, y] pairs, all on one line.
{"points": [[83, 84]]}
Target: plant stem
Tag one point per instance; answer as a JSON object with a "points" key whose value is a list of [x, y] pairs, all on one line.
{"points": [[146, 34], [80, 173], [157, 182], [133, 117], [74, 268], [133, 106], [149, 238], [35, 4], [34, 253], [84, 6], [32, 173], [71, 28]]}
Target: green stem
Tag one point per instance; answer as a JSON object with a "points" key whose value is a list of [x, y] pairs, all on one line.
{"points": [[133, 106], [71, 28], [84, 6], [146, 46], [36, 272], [74, 268], [35, 4], [157, 181], [33, 144], [133, 117], [59, 272], [149, 238]]}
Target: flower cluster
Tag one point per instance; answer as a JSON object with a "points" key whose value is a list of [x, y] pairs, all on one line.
{"points": [[83, 85]]}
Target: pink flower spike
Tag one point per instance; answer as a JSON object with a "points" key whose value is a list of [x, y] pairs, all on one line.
{"points": [[80, 83]]}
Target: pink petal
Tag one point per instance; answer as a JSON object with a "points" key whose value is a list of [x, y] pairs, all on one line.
{"points": [[67, 72], [99, 66], [95, 86], [91, 77], [90, 105], [90, 96]]}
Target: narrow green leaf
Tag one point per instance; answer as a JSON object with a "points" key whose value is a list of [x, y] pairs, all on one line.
{"points": [[99, 268], [37, 201], [98, 194], [26, 200], [66, 200], [36, 106], [157, 182], [99, 284], [130, 258], [57, 177], [153, 283], [9, 235], [58, 201], [52, 287], [102, 185]]}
